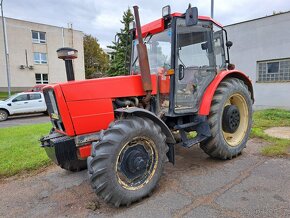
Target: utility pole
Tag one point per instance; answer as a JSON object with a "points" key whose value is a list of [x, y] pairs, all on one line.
{"points": [[6, 50], [212, 9]]}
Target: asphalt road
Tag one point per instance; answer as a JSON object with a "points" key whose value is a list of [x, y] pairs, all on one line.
{"points": [[25, 120], [197, 186]]}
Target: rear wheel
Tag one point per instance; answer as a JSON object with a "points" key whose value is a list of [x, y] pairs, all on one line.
{"points": [[3, 115], [230, 120], [127, 162]]}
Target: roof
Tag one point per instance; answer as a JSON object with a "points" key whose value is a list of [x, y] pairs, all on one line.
{"points": [[259, 18], [26, 21], [157, 26]]}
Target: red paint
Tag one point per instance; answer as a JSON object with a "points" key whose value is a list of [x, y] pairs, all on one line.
{"points": [[154, 27], [208, 94], [91, 115], [103, 88], [157, 26], [85, 151], [86, 106]]}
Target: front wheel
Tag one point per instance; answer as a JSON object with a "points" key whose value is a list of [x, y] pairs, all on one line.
{"points": [[230, 120], [127, 162], [3, 115]]}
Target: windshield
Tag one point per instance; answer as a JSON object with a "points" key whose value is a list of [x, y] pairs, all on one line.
{"points": [[12, 96], [159, 53]]}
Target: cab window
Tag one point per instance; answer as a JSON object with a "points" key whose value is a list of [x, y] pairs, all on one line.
{"points": [[34, 96], [20, 98]]}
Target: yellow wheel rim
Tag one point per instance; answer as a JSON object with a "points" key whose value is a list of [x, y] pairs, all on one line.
{"points": [[234, 139], [150, 147]]}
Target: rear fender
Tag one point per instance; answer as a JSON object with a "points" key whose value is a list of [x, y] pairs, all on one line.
{"points": [[209, 92]]}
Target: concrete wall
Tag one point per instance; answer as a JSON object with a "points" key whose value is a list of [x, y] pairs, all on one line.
{"points": [[262, 39], [20, 39]]}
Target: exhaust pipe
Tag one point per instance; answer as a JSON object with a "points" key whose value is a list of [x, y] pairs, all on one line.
{"points": [[143, 61], [68, 54]]}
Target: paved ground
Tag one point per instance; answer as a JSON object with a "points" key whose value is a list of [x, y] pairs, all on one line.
{"points": [[279, 132], [197, 186], [24, 120]]}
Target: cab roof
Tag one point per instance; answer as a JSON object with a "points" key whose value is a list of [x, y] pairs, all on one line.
{"points": [[158, 25]]}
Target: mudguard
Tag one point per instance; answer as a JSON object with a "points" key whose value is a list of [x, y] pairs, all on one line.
{"points": [[209, 92], [139, 112]]}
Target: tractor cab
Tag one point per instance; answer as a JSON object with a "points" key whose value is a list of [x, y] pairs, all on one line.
{"points": [[188, 47]]}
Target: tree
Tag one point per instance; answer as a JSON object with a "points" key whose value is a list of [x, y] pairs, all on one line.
{"points": [[121, 53], [96, 60]]}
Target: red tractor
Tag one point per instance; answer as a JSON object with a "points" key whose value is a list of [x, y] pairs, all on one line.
{"points": [[123, 129]]}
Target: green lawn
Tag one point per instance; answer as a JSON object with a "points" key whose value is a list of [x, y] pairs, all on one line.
{"points": [[270, 118], [20, 150], [5, 94]]}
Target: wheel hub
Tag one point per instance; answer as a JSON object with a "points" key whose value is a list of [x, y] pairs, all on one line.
{"points": [[231, 119], [135, 162]]}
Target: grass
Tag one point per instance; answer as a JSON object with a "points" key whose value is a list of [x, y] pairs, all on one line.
{"points": [[5, 94], [20, 149], [271, 118]]}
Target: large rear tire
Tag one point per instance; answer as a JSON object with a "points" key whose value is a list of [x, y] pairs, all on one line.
{"points": [[230, 120], [127, 162]]}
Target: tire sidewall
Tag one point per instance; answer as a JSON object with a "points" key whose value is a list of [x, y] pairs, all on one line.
{"points": [[131, 133], [242, 90], [6, 115]]}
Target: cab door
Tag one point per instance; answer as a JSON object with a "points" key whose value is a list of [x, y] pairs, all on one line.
{"points": [[20, 104], [195, 65], [36, 103]]}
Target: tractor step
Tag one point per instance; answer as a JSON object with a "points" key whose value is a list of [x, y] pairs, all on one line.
{"points": [[189, 143]]}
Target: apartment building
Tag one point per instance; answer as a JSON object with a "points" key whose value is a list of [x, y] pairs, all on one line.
{"points": [[32, 54]]}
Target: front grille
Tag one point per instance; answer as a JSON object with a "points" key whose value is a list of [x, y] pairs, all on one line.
{"points": [[52, 109]]}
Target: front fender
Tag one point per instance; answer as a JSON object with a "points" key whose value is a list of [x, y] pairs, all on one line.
{"points": [[209, 92], [139, 112]]}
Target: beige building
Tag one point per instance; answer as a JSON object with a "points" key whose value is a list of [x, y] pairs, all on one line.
{"points": [[32, 54]]}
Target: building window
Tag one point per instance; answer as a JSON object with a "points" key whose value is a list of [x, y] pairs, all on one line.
{"points": [[41, 78], [273, 71], [38, 37], [40, 58]]}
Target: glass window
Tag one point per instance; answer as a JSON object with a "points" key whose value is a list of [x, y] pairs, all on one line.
{"points": [[195, 65], [273, 71], [34, 96], [40, 58], [20, 98], [41, 78], [38, 37], [159, 53]]}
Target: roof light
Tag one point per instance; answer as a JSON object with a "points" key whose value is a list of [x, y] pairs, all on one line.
{"points": [[166, 11]]}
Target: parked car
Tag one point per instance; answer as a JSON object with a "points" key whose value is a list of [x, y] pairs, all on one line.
{"points": [[22, 103], [37, 88]]}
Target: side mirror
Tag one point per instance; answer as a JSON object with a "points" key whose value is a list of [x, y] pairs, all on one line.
{"points": [[229, 44], [191, 16], [204, 46], [180, 72]]}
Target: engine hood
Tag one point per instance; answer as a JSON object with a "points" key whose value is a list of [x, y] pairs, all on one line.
{"points": [[104, 88]]}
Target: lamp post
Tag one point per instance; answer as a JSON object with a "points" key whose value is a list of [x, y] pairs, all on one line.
{"points": [[212, 9], [6, 49]]}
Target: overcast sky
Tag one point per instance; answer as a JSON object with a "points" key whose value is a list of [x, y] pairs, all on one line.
{"points": [[101, 18]]}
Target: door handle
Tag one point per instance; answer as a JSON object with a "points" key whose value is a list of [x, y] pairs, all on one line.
{"points": [[26, 102], [40, 101]]}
